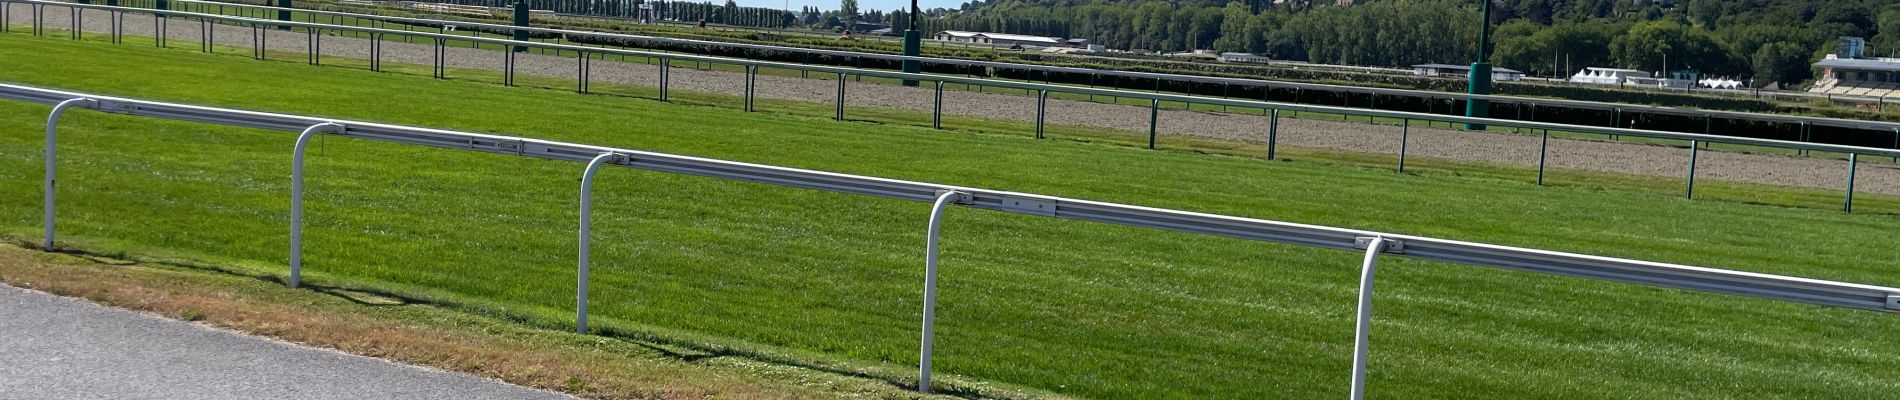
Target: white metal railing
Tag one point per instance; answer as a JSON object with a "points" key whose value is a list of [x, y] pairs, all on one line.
{"points": [[1375, 244], [261, 27], [1579, 104]]}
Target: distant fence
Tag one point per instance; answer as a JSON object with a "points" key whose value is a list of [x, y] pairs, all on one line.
{"points": [[1798, 128], [261, 28], [1374, 244]]}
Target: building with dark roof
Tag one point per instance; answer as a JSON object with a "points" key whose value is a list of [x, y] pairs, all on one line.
{"points": [[1497, 73]]}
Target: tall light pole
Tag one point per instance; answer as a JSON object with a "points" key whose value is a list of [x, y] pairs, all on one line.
{"points": [[913, 44], [1481, 72]]}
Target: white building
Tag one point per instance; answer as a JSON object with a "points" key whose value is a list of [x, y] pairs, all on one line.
{"points": [[999, 39], [1243, 57], [1497, 73]]}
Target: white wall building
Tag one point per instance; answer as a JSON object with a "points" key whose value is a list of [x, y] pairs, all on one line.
{"points": [[1004, 39], [1497, 73]]}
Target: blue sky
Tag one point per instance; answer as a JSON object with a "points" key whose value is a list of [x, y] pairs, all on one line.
{"points": [[885, 5]]}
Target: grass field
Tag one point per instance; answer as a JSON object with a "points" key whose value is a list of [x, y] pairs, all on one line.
{"points": [[832, 281]]}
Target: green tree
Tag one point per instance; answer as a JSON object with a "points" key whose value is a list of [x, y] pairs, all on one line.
{"points": [[1236, 34], [1705, 13], [1651, 45], [1780, 62], [848, 11], [1887, 43]]}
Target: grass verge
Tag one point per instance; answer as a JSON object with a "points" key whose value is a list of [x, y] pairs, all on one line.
{"points": [[412, 331], [807, 278]]}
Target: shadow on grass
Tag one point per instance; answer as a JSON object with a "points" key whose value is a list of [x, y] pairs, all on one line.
{"points": [[683, 350]]}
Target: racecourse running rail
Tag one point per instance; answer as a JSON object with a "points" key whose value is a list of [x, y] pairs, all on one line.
{"points": [[1243, 82], [1374, 244]]}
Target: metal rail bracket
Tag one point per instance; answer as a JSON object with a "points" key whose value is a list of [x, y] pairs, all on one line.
{"points": [[1893, 302], [1045, 208], [961, 197], [1391, 246]]}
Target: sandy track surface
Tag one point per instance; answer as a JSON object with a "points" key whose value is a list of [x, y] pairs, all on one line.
{"points": [[1589, 155]]}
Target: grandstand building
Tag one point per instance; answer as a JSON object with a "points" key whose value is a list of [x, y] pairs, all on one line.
{"points": [[1846, 72], [1858, 77]]}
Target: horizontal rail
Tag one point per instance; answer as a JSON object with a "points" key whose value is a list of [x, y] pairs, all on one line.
{"points": [[1036, 86], [1580, 104], [1776, 287]]}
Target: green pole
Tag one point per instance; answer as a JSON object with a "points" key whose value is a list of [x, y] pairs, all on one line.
{"points": [[283, 15], [913, 44], [1481, 72], [521, 19]]}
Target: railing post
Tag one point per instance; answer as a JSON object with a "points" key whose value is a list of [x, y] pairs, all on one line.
{"points": [[1616, 116], [1363, 328], [1273, 133], [840, 114], [508, 68], [315, 45], [1804, 137], [296, 197], [441, 58], [1405, 130], [930, 286], [586, 229], [1154, 119], [1692, 156], [666, 69], [1042, 100], [936, 109], [1543, 149], [376, 52], [751, 77], [580, 72], [205, 35], [52, 163], [1853, 159]]}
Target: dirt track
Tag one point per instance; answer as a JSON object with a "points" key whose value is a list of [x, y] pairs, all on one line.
{"points": [[1589, 155]]}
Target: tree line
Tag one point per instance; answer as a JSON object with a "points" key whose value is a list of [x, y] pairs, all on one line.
{"points": [[1762, 41], [1766, 41]]}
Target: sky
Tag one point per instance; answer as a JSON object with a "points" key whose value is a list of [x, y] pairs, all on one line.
{"points": [[886, 5]]}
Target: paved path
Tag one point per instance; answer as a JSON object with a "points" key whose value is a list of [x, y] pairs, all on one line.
{"points": [[55, 347]]}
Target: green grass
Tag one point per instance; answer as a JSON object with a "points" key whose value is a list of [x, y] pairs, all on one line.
{"points": [[811, 278]]}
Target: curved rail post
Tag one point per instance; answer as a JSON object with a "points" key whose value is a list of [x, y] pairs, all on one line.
{"points": [[666, 68], [1692, 156], [1042, 102], [296, 197], [587, 225], [1154, 120], [1362, 331], [936, 109], [583, 64], [1405, 131], [930, 286], [52, 162], [1273, 133], [1853, 159], [840, 115], [1543, 150]]}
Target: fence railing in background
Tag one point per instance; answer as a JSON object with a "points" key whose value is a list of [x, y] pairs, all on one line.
{"points": [[1620, 108], [1374, 244], [260, 26]]}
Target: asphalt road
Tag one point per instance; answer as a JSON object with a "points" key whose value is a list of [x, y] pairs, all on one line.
{"points": [[55, 347]]}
